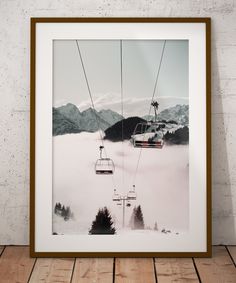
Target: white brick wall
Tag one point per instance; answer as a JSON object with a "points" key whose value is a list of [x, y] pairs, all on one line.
{"points": [[14, 103]]}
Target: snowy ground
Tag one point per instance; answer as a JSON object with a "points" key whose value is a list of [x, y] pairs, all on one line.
{"points": [[161, 183]]}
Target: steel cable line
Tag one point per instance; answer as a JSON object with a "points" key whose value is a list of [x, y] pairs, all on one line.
{"points": [[122, 109], [90, 94], [92, 103], [158, 72], [154, 91]]}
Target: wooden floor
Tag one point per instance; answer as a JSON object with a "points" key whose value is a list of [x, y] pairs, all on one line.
{"points": [[17, 266]]}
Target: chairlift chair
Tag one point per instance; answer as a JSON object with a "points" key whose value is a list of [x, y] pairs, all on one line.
{"points": [[132, 194], [128, 204], [104, 166], [116, 196], [149, 134]]}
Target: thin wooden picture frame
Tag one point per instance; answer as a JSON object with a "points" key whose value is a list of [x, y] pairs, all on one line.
{"points": [[34, 66]]}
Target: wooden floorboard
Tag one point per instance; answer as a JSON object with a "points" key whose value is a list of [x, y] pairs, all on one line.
{"points": [[15, 265], [1, 249], [52, 270], [175, 270], [218, 269], [88, 270], [134, 270], [232, 251]]}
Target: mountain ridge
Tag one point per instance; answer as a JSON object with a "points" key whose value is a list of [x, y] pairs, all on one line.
{"points": [[63, 125], [69, 119], [122, 130], [88, 120], [178, 113]]}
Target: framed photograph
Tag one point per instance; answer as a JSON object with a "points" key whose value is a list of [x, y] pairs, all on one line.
{"points": [[120, 137]]}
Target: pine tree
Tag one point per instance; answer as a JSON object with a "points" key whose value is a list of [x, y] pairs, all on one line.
{"points": [[56, 209], [155, 226], [138, 218], [63, 211], [103, 223], [67, 213], [131, 222]]}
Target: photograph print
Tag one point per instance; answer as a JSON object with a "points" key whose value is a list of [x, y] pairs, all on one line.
{"points": [[120, 137]]}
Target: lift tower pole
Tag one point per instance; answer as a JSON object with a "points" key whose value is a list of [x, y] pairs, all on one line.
{"points": [[123, 199]]}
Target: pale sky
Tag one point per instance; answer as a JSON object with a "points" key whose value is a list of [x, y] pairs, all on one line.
{"points": [[101, 58]]}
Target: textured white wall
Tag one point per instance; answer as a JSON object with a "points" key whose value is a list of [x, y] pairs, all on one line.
{"points": [[14, 104]]}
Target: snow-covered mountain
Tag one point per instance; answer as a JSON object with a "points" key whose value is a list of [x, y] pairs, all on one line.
{"points": [[91, 121], [88, 120], [178, 113], [173, 133], [133, 106], [175, 125], [110, 116], [122, 130], [71, 112], [69, 119], [62, 125]]}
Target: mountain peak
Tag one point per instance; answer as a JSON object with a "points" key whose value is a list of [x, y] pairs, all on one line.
{"points": [[111, 116], [63, 125], [89, 120], [106, 111], [88, 110], [71, 106], [178, 113]]}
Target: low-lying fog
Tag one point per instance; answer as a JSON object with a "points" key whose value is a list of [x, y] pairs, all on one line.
{"points": [[161, 182]]}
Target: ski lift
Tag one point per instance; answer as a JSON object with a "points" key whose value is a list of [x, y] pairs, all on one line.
{"points": [[104, 166], [116, 196], [128, 204], [132, 194], [149, 134]]}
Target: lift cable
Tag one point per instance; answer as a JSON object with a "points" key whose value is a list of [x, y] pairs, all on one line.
{"points": [[122, 110], [92, 103], [154, 91], [158, 72], [90, 94]]}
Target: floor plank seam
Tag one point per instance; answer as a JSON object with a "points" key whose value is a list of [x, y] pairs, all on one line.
{"points": [[32, 270], [2, 251], [196, 270], [155, 270], [234, 263], [73, 269], [114, 270]]}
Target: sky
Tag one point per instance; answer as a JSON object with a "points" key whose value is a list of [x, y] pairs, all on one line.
{"points": [[102, 62]]}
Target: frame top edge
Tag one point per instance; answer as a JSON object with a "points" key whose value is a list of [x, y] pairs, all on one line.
{"points": [[120, 20]]}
